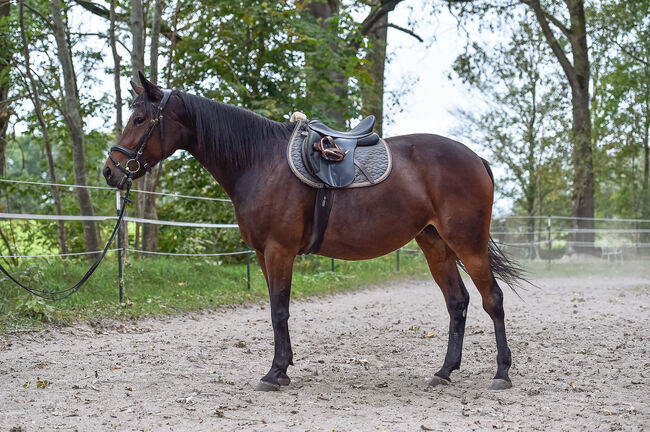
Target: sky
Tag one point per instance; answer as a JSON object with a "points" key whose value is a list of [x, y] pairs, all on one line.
{"points": [[429, 105], [426, 107]]}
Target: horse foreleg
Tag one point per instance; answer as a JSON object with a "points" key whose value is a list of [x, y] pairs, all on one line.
{"points": [[442, 263], [277, 268]]}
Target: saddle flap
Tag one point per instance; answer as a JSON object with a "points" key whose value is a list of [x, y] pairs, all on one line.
{"points": [[333, 173]]}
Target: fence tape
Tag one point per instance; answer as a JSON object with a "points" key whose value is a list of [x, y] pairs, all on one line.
{"points": [[573, 218], [113, 189], [57, 255], [192, 254], [105, 218]]}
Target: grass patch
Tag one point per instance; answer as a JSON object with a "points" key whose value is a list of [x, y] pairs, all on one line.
{"points": [[174, 285], [167, 286]]}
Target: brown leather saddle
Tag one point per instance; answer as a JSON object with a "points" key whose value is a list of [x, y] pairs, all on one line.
{"points": [[329, 154]]}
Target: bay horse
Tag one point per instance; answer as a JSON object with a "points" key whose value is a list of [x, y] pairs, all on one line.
{"points": [[439, 192]]}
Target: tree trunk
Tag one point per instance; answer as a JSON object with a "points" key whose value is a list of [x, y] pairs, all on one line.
{"points": [[35, 97], [577, 75], [137, 65], [645, 192], [373, 94], [583, 178], [583, 175], [5, 61], [75, 125], [116, 75], [137, 35], [322, 11], [150, 231], [155, 41]]}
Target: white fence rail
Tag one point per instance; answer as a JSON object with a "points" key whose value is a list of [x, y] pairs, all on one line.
{"points": [[542, 237]]}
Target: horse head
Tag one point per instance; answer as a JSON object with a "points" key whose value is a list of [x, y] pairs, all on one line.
{"points": [[153, 133]]}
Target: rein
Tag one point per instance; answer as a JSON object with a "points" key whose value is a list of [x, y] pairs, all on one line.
{"points": [[135, 157]]}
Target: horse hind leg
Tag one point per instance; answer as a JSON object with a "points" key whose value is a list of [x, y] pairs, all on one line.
{"points": [[442, 264], [478, 267], [468, 237], [473, 253]]}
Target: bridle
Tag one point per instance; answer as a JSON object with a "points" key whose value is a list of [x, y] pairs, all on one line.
{"points": [[129, 171], [136, 161]]}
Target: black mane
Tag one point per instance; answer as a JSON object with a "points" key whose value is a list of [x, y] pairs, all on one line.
{"points": [[231, 135]]}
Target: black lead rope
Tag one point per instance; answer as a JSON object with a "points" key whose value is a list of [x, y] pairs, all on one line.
{"points": [[65, 293], [135, 156]]}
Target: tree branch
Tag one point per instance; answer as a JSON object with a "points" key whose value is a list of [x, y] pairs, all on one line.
{"points": [[556, 22], [631, 55], [402, 29], [101, 11], [567, 67], [376, 13]]}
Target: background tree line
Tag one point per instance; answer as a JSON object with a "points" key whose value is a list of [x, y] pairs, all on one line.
{"points": [[563, 90]]}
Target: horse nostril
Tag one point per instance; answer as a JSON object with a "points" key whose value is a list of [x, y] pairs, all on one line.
{"points": [[107, 172]]}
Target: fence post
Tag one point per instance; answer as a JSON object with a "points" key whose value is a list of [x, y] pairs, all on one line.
{"points": [[248, 270], [120, 277], [397, 259], [550, 250], [332, 265]]}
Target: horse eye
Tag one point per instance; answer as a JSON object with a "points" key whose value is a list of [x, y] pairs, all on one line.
{"points": [[138, 120]]}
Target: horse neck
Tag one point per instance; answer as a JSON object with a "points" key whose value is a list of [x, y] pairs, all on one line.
{"points": [[242, 159]]}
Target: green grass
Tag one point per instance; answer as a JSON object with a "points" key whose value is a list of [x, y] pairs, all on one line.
{"points": [[166, 285]]}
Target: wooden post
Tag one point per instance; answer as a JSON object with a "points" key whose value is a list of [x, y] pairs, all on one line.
{"points": [[397, 258]]}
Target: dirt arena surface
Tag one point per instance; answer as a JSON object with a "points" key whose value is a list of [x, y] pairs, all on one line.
{"points": [[580, 349]]}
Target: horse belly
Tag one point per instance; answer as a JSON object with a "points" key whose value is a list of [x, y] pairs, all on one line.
{"points": [[370, 222]]}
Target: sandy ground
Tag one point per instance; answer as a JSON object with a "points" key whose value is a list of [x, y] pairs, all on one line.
{"points": [[580, 362]]}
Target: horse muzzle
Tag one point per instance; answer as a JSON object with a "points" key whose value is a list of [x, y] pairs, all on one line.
{"points": [[114, 178]]}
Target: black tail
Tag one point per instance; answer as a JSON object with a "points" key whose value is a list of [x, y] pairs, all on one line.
{"points": [[504, 267]]}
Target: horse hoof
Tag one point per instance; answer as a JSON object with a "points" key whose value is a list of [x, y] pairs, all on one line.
{"points": [[500, 384], [436, 381], [267, 386], [284, 381]]}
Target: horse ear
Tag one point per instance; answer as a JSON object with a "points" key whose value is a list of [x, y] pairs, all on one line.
{"points": [[153, 91], [136, 88]]}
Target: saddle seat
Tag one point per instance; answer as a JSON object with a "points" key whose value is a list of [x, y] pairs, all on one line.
{"points": [[363, 129]]}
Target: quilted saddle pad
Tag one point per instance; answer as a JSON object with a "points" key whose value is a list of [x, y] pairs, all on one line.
{"points": [[376, 161]]}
